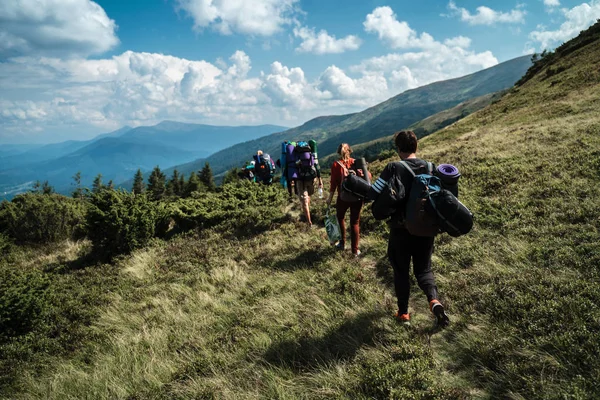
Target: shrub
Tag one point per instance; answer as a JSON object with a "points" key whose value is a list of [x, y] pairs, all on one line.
{"points": [[42, 218], [119, 222], [243, 208], [22, 298]]}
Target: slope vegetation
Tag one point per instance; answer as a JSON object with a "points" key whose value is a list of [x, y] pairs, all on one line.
{"points": [[277, 313]]}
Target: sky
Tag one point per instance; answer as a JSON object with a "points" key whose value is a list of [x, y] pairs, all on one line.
{"points": [[71, 69]]}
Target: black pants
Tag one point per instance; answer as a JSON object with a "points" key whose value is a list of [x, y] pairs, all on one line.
{"points": [[403, 246]]}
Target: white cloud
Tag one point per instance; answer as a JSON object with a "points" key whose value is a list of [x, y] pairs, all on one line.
{"points": [[458, 41], [398, 34], [430, 59], [335, 84], [323, 43], [551, 3], [576, 19], [55, 28], [487, 16], [254, 17]]}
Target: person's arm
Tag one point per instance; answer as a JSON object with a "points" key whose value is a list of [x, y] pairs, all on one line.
{"points": [[381, 182], [336, 180]]}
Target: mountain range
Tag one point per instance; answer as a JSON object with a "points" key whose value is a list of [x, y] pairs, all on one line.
{"points": [[381, 120], [117, 155]]}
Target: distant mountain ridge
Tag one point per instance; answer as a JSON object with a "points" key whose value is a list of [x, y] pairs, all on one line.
{"points": [[117, 155], [381, 120]]}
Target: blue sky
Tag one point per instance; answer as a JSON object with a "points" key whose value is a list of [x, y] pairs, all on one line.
{"points": [[70, 69]]}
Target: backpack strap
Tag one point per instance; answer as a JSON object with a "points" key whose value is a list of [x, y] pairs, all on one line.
{"points": [[429, 168], [343, 166], [408, 168]]}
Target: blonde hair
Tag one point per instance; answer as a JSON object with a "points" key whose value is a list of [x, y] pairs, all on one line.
{"points": [[260, 152], [344, 150]]}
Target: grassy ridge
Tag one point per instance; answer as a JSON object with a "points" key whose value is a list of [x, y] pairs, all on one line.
{"points": [[281, 315]]}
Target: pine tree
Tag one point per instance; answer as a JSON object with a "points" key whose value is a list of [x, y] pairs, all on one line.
{"points": [[36, 187], [138, 182], [97, 185], [193, 184], [78, 192], [156, 183], [206, 177], [110, 185], [181, 185], [174, 184], [47, 189]]}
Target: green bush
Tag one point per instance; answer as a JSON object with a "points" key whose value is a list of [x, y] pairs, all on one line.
{"points": [[42, 218], [242, 208], [22, 298], [119, 222]]}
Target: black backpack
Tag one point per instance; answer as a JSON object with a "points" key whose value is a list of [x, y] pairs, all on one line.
{"points": [[389, 200]]}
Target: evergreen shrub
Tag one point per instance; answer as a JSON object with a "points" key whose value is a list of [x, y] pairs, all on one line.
{"points": [[241, 208], [22, 300], [42, 218], [119, 222]]}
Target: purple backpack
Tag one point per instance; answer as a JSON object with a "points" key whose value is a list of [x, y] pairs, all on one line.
{"points": [[305, 162]]}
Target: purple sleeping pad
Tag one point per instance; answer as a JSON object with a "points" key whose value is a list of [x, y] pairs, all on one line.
{"points": [[290, 157], [448, 173]]}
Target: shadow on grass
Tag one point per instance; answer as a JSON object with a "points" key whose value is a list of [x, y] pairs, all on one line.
{"points": [[304, 260], [340, 344], [385, 272]]}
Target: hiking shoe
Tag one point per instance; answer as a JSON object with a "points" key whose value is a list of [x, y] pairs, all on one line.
{"points": [[340, 246], [357, 254], [441, 318], [404, 319]]}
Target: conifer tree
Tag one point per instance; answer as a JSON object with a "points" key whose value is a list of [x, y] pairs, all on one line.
{"points": [[174, 184], [193, 184], [206, 177], [181, 185], [47, 189], [156, 183], [36, 187], [138, 182], [97, 185], [78, 192], [110, 185]]}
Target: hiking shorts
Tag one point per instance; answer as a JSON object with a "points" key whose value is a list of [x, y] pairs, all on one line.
{"points": [[305, 189]]}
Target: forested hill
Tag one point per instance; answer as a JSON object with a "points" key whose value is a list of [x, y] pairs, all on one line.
{"points": [[224, 293], [378, 121]]}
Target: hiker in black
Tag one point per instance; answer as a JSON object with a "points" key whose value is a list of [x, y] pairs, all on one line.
{"points": [[402, 246]]}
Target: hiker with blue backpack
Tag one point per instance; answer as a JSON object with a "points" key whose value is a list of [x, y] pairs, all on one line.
{"points": [[412, 231], [264, 168]]}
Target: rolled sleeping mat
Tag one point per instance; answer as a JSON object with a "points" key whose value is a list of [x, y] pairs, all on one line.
{"points": [[290, 160], [283, 179], [449, 176], [361, 163], [357, 186]]}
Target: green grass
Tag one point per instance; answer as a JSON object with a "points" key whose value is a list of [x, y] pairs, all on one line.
{"points": [[280, 314]]}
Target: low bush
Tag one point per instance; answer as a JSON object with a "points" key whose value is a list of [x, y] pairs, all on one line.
{"points": [[42, 218], [22, 296], [243, 208], [119, 222]]}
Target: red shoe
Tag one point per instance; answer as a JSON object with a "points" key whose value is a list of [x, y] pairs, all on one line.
{"points": [[404, 319], [438, 311]]}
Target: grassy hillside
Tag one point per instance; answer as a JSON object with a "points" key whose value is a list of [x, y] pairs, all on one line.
{"points": [[384, 147], [277, 313], [378, 121]]}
